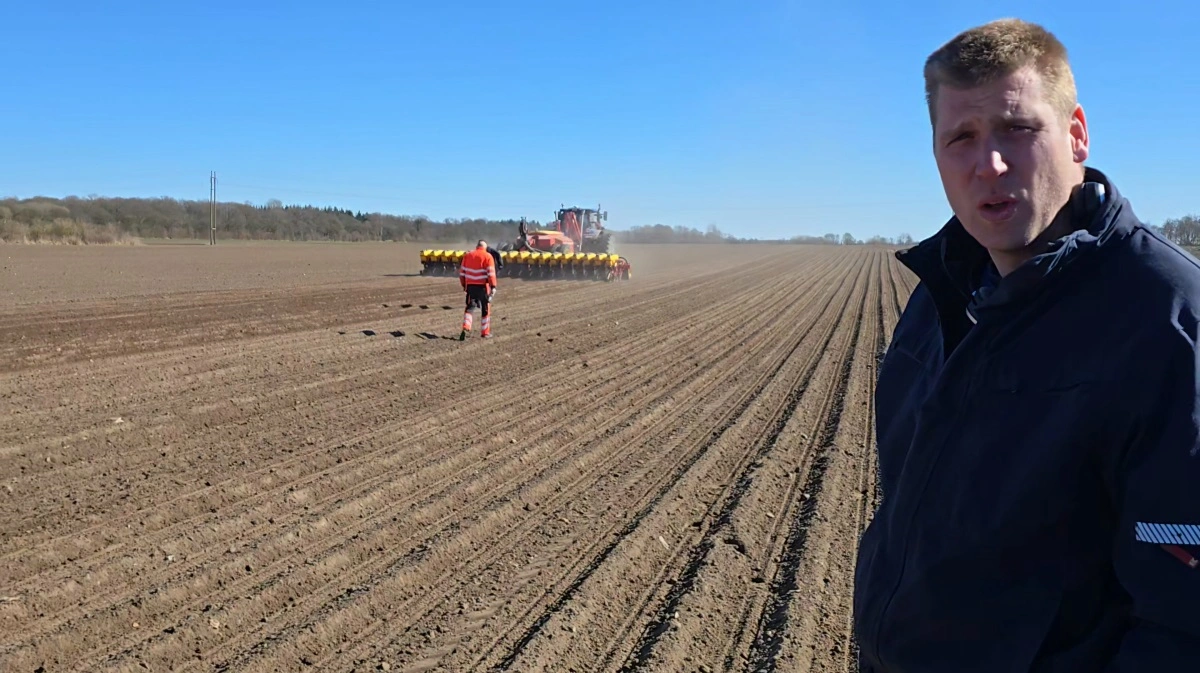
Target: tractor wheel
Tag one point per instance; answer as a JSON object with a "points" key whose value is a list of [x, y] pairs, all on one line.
{"points": [[600, 245]]}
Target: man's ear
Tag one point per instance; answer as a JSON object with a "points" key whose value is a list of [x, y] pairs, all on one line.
{"points": [[1077, 128]]}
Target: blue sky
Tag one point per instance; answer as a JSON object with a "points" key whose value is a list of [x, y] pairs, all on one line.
{"points": [[769, 118]]}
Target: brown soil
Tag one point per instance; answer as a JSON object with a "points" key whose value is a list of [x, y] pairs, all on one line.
{"points": [[272, 457]]}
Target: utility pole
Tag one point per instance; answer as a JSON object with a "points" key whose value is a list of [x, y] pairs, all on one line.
{"points": [[212, 208]]}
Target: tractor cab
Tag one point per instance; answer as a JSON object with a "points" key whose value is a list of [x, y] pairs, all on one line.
{"points": [[573, 230], [585, 226]]}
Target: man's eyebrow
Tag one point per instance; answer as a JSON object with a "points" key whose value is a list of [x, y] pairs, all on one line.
{"points": [[953, 131], [1019, 118]]}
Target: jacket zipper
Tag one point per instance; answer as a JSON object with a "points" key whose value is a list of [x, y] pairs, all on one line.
{"points": [[881, 612]]}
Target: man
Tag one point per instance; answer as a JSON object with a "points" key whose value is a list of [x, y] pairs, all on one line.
{"points": [[1038, 422], [496, 258], [499, 260], [477, 275]]}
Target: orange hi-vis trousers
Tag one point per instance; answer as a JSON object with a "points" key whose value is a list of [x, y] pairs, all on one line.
{"points": [[478, 295]]}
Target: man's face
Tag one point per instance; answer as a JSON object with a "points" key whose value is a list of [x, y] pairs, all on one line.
{"points": [[1008, 161]]}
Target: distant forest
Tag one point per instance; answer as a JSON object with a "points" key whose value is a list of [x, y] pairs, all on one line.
{"points": [[126, 220]]}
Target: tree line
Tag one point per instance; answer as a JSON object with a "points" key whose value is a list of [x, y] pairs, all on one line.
{"points": [[97, 219], [168, 218], [1182, 230], [661, 233]]}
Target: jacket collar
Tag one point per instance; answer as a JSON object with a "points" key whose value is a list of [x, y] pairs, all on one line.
{"points": [[951, 263]]}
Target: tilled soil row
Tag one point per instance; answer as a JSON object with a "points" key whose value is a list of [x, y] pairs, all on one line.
{"points": [[682, 455], [599, 627], [195, 366], [276, 489], [113, 329], [324, 399], [225, 527], [251, 386], [493, 570], [819, 552], [101, 329], [868, 463], [551, 451], [340, 378], [889, 314], [718, 603], [250, 369]]}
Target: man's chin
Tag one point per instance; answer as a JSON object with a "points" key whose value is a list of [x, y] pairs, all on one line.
{"points": [[1009, 238]]}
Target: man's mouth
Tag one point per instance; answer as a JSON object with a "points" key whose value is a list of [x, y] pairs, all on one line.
{"points": [[998, 209]]}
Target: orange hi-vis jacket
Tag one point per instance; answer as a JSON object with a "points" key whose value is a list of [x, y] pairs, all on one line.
{"points": [[478, 268]]}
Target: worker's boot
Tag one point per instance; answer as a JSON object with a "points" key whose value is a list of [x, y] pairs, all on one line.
{"points": [[466, 326], [486, 326]]}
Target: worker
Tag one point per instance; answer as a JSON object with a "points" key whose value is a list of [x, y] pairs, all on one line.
{"points": [[477, 275], [1038, 406], [497, 259]]}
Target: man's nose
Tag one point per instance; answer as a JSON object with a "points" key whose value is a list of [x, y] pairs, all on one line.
{"points": [[990, 162]]}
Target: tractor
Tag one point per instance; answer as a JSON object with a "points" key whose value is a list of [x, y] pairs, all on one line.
{"points": [[574, 229], [575, 245]]}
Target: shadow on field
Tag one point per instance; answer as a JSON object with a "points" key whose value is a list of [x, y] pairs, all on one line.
{"points": [[429, 336], [370, 332], [444, 307]]}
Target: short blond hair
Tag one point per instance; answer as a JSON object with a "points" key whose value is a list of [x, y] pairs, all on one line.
{"points": [[986, 53]]}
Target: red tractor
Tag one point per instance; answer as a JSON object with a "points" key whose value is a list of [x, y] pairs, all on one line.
{"points": [[573, 230]]}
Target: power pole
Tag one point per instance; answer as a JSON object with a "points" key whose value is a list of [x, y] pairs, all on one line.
{"points": [[212, 208]]}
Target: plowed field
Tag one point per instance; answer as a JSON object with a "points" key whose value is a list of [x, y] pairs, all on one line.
{"points": [[273, 457]]}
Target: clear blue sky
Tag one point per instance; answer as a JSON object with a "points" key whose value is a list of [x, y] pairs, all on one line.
{"points": [[764, 117]]}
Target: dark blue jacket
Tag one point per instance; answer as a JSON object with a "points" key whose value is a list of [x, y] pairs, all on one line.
{"points": [[1037, 447]]}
